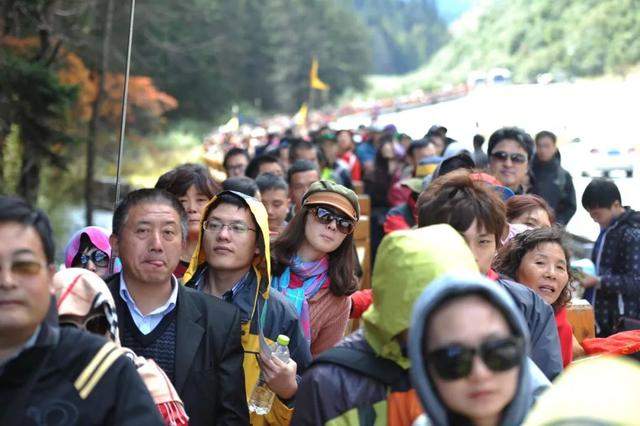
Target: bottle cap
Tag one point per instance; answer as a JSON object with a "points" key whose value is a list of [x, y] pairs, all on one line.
{"points": [[283, 340]]}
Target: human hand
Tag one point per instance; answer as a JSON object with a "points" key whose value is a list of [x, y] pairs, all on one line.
{"points": [[590, 281], [280, 376]]}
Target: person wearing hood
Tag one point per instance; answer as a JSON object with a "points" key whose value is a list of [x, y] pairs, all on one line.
{"points": [[468, 346], [84, 301], [314, 262], [89, 248], [232, 263], [52, 374], [475, 210], [552, 182], [194, 338], [614, 290], [364, 379]]}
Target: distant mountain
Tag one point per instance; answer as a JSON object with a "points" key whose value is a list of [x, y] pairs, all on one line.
{"points": [[404, 33], [450, 10]]}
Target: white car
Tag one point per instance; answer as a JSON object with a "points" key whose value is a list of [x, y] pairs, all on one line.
{"points": [[604, 158]]}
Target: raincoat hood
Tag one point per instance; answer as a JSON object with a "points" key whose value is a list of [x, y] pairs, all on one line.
{"points": [[407, 261], [261, 263], [595, 391], [438, 292], [98, 236]]}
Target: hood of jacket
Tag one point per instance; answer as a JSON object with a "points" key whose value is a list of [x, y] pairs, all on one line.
{"points": [[594, 391], [440, 291], [407, 261], [261, 263], [80, 292], [630, 217]]}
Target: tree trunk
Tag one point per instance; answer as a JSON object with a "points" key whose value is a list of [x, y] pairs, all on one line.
{"points": [[29, 183], [94, 123]]}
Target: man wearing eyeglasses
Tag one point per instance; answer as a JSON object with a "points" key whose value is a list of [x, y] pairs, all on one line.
{"points": [[194, 338], [232, 263], [47, 373], [510, 150]]}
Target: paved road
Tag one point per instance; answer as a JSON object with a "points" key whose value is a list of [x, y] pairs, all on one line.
{"points": [[597, 112]]}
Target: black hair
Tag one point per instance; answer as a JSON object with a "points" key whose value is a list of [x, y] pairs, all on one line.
{"points": [[232, 153], [600, 193], [478, 141], [253, 169], [513, 133], [419, 144], [270, 182], [298, 145], [13, 209], [546, 134], [178, 180], [300, 166], [241, 184], [147, 196]]}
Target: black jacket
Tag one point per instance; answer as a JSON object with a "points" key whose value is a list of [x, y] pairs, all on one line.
{"points": [[554, 184], [59, 396], [617, 259], [208, 371]]}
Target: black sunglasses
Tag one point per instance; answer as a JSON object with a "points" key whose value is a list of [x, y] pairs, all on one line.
{"points": [[96, 324], [98, 257], [325, 217], [516, 158], [455, 361]]}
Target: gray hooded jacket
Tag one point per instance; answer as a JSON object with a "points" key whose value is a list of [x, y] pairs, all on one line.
{"points": [[531, 381]]}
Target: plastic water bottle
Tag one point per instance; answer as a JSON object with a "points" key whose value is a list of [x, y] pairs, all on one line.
{"points": [[262, 397]]}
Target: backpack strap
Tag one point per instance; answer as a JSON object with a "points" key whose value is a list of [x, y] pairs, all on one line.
{"points": [[366, 363], [96, 369]]}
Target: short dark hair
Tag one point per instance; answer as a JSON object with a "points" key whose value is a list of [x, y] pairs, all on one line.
{"points": [[456, 199], [253, 169], [232, 153], [521, 204], [13, 209], [478, 141], [419, 144], [178, 180], [300, 166], [509, 257], [147, 196], [546, 134], [514, 133], [241, 184], [600, 193], [298, 145], [270, 182]]}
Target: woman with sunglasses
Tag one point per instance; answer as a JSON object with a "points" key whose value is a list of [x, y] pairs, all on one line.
{"points": [[89, 248], [314, 262], [539, 259], [468, 346]]}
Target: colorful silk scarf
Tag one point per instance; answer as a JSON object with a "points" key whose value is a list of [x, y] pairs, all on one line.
{"points": [[313, 276]]}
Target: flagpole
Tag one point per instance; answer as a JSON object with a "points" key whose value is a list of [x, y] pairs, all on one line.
{"points": [[125, 94], [123, 116]]}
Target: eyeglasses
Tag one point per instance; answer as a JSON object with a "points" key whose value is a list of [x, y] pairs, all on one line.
{"points": [[236, 228], [96, 323], [98, 257], [515, 157], [455, 361], [24, 268], [325, 217]]}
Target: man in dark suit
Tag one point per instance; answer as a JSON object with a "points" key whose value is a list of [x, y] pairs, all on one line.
{"points": [[193, 337]]}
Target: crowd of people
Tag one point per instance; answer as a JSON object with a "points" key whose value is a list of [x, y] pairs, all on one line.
{"points": [[171, 316]]}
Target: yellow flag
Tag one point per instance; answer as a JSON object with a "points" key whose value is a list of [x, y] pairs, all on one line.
{"points": [[314, 81], [301, 116]]}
